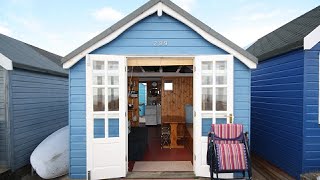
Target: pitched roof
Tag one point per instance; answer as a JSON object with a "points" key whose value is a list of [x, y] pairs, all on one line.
{"points": [[147, 6], [286, 38], [29, 57]]}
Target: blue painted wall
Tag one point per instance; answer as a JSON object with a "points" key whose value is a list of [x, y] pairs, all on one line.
{"points": [[38, 107], [277, 111], [311, 128], [138, 40]]}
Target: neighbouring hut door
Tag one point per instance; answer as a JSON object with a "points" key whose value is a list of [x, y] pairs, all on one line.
{"points": [[106, 121], [213, 102]]}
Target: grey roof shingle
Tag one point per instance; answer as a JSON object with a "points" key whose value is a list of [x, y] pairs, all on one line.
{"points": [[286, 38], [29, 57], [145, 7]]}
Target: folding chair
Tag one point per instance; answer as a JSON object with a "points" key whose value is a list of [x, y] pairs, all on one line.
{"points": [[228, 150]]}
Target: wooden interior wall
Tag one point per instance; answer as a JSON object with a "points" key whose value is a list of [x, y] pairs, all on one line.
{"points": [[135, 101], [173, 102]]}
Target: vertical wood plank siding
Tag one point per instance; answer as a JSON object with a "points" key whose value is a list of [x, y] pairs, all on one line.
{"points": [[3, 122], [39, 107], [139, 40], [277, 111], [311, 128]]}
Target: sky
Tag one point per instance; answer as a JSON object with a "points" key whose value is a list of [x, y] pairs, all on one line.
{"points": [[60, 26]]}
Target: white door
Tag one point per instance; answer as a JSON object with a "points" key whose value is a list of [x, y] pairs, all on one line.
{"points": [[106, 122], [213, 102]]}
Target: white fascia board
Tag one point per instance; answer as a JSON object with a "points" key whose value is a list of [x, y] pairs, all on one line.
{"points": [[312, 39], [157, 8], [5, 62]]}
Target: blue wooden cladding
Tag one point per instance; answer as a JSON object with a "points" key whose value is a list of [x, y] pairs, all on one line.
{"points": [[140, 40], [39, 106], [311, 128], [285, 99], [99, 128]]}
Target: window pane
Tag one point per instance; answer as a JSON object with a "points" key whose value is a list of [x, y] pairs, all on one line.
{"points": [[221, 72], [113, 80], [113, 99], [98, 65], [98, 99], [98, 80], [113, 127], [207, 95], [207, 80], [206, 66], [221, 99], [206, 126], [113, 65], [99, 128], [221, 120]]}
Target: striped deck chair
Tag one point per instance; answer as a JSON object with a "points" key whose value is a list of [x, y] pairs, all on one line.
{"points": [[228, 150]]}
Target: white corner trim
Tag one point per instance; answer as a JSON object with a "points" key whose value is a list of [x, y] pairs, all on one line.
{"points": [[5, 62], [312, 39], [159, 8]]}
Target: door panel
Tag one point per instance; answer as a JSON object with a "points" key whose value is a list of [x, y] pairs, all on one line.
{"points": [[213, 102], [106, 116]]}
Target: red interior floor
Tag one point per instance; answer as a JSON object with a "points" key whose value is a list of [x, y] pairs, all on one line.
{"points": [[155, 153]]}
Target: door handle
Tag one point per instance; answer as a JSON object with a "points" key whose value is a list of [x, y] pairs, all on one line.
{"points": [[230, 116]]}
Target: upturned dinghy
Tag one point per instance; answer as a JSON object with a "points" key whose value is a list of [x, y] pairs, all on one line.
{"points": [[50, 159]]}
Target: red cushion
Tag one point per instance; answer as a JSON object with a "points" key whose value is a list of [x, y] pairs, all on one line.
{"points": [[232, 157]]}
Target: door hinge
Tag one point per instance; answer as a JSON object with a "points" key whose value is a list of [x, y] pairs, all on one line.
{"points": [[125, 114], [195, 113], [195, 157], [126, 158], [194, 68], [89, 175], [125, 69]]}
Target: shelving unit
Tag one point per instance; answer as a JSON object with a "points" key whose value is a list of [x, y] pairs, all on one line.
{"points": [[134, 112]]}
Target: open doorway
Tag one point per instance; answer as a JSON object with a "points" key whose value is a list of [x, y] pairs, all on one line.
{"points": [[160, 115]]}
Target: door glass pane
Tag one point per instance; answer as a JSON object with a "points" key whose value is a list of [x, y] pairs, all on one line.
{"points": [[113, 127], [206, 66], [221, 72], [113, 65], [98, 99], [207, 95], [206, 126], [98, 65], [113, 80], [113, 99], [221, 99], [221, 120], [207, 80], [98, 80], [98, 129]]}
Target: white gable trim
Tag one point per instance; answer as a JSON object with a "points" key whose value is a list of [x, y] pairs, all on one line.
{"points": [[5, 62], [312, 39], [159, 8]]}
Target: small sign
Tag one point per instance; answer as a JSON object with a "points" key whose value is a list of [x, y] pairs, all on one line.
{"points": [[160, 43]]}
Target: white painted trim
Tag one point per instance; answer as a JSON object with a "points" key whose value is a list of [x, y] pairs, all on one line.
{"points": [[5, 62], [312, 39], [172, 13]]}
